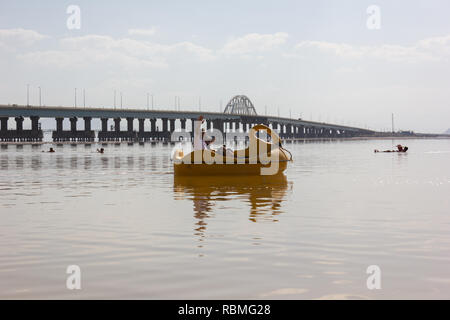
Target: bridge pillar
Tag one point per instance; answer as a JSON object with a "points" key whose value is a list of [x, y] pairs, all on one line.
{"points": [[87, 123], [183, 124], [301, 131], [152, 125], [87, 134], [4, 124], [59, 124], [218, 124], [104, 124], [73, 124], [244, 126], [331, 133], [117, 124], [34, 123], [141, 125], [192, 127], [130, 124], [19, 123], [308, 132], [275, 126], [165, 125], [172, 124]]}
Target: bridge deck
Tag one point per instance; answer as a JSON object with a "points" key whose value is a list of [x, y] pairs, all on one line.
{"points": [[109, 112]]}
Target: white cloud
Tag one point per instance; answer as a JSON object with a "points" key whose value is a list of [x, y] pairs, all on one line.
{"points": [[17, 38], [431, 49], [254, 42], [123, 53], [142, 32]]}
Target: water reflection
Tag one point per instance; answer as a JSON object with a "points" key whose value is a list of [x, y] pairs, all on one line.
{"points": [[264, 194]]}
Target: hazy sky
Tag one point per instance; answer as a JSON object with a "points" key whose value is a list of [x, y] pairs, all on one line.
{"points": [[309, 58]]}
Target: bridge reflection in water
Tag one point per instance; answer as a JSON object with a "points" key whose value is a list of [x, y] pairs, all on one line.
{"points": [[264, 194]]}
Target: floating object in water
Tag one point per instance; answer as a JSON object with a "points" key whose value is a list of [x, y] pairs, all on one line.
{"points": [[400, 148], [259, 158]]}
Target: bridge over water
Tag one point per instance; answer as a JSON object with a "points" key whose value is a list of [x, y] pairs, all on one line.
{"points": [[239, 114]]}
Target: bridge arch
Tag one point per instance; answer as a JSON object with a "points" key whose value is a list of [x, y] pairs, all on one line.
{"points": [[241, 105]]}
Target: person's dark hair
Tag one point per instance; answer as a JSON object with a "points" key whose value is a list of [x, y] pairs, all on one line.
{"points": [[405, 149]]}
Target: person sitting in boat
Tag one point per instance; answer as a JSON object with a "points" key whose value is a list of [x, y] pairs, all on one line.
{"points": [[207, 142], [101, 150], [198, 134]]}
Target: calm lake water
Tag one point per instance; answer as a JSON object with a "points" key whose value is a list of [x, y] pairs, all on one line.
{"points": [[135, 232]]}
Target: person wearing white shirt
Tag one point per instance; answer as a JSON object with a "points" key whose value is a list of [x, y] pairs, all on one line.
{"points": [[198, 135]]}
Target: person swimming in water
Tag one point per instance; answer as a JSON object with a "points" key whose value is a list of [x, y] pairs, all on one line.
{"points": [[400, 148], [51, 150], [101, 150]]}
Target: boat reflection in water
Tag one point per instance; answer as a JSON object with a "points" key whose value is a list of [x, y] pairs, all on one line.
{"points": [[263, 194]]}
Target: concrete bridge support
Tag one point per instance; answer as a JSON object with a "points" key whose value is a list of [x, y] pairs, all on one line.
{"points": [[142, 134], [117, 125], [19, 124], [153, 125], [183, 124], [165, 134], [73, 124], [117, 134], [86, 135], [218, 124], [4, 124], [130, 124], [87, 123], [34, 123], [19, 134], [141, 125]]}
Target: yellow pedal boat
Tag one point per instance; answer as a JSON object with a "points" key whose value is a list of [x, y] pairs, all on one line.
{"points": [[259, 158]]}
